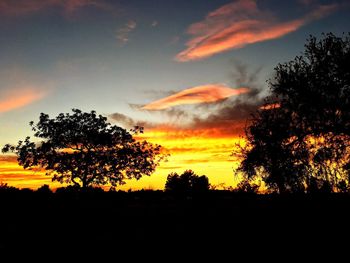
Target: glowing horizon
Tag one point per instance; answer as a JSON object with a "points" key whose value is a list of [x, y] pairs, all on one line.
{"points": [[210, 156]]}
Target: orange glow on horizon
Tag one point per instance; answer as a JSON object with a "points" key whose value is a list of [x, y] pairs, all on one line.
{"points": [[204, 154], [14, 175]]}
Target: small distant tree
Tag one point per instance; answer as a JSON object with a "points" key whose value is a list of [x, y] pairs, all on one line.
{"points": [[84, 149], [187, 182], [44, 189]]}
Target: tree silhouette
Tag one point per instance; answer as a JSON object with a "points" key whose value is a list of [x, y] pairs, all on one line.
{"points": [[300, 139], [84, 149], [186, 183]]}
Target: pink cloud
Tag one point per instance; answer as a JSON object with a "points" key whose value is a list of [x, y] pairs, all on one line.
{"points": [[238, 24], [20, 97], [199, 94]]}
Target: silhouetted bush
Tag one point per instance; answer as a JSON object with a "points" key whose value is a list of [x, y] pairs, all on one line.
{"points": [[247, 187], [4, 187], [186, 183], [44, 189]]}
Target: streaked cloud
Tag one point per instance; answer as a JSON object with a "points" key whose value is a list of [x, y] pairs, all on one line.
{"points": [[19, 97], [199, 94], [25, 7], [123, 33], [238, 24]]}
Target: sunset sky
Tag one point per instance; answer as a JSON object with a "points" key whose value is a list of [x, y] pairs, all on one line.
{"points": [[189, 71]]}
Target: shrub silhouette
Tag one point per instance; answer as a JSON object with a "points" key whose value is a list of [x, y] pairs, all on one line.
{"points": [[186, 183], [247, 187], [84, 149], [44, 190], [300, 139]]}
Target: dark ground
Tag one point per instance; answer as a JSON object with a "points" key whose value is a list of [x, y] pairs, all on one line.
{"points": [[150, 223]]}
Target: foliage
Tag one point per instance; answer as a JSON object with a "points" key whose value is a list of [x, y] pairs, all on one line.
{"points": [[246, 186], [187, 182], [300, 139], [84, 149]]}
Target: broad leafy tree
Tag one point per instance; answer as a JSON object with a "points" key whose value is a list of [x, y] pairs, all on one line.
{"points": [[82, 148], [300, 139]]}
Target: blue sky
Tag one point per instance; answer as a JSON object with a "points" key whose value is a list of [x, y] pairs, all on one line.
{"points": [[76, 56]]}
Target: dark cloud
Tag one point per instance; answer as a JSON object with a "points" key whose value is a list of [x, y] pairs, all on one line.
{"points": [[221, 118], [26, 7], [135, 106], [176, 114], [123, 119], [128, 123]]}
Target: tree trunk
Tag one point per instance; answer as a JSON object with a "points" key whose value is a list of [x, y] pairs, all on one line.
{"points": [[85, 184]]}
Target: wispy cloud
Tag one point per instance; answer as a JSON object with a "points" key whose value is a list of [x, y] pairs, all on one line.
{"points": [[19, 97], [154, 23], [199, 94], [123, 33], [25, 7], [238, 24]]}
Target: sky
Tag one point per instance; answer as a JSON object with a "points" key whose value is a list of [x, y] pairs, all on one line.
{"points": [[190, 71]]}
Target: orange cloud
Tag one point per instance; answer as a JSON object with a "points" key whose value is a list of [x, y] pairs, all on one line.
{"points": [[238, 24], [18, 98], [200, 94], [24, 7]]}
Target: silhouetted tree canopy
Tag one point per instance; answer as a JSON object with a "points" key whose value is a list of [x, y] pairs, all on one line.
{"points": [[84, 149], [299, 140], [187, 182]]}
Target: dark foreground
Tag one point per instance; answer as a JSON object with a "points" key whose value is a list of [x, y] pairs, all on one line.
{"points": [[148, 224]]}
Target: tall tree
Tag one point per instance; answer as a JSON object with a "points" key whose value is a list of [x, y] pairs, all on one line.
{"points": [[84, 149], [300, 139]]}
